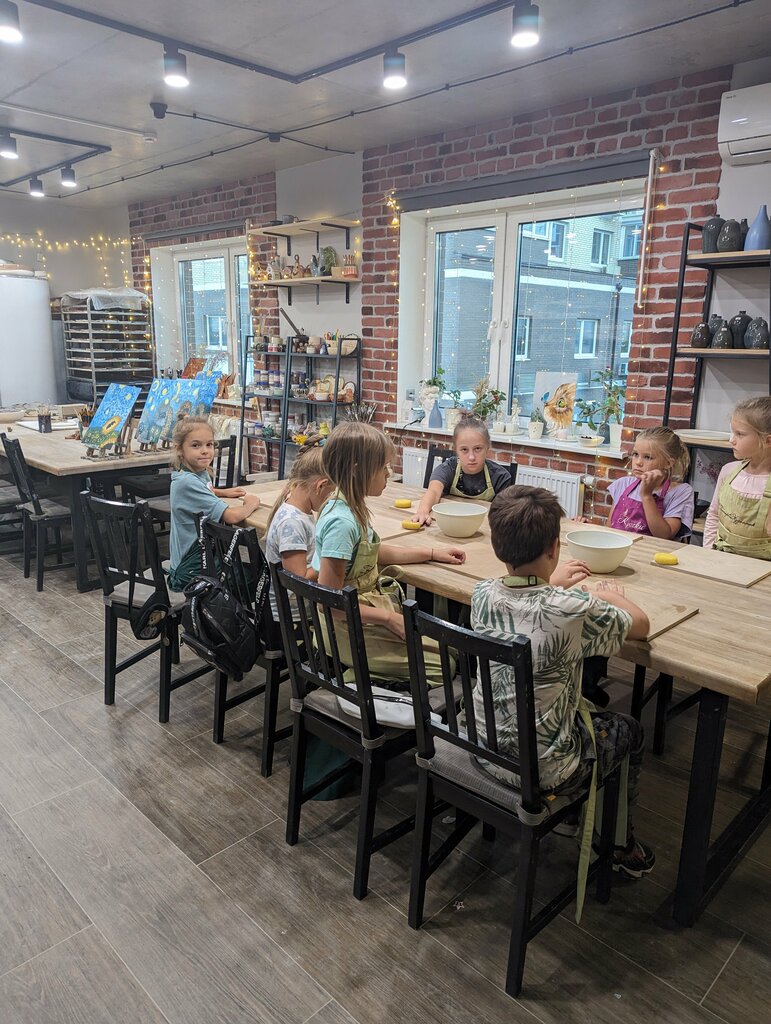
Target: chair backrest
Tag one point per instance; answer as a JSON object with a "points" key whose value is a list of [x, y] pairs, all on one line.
{"points": [[435, 452], [513, 467], [116, 528], [20, 472], [485, 650], [317, 662], [225, 451], [236, 556]]}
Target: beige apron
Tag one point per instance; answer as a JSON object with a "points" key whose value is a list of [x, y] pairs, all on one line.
{"points": [[386, 652], [742, 520], [487, 494]]}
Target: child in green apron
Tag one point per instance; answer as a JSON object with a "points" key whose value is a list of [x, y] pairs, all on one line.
{"points": [[739, 518], [357, 459], [192, 492], [468, 473]]}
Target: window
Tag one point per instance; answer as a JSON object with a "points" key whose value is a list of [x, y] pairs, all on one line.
{"points": [[522, 341], [493, 274], [587, 332], [216, 331], [631, 246], [600, 247]]}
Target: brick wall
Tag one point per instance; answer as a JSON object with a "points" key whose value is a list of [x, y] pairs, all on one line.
{"points": [[190, 216], [678, 116]]}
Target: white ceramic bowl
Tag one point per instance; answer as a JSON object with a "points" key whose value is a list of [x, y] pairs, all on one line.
{"points": [[602, 550], [459, 518], [592, 442]]}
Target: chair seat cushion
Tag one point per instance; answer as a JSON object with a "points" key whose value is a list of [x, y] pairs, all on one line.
{"points": [[51, 510], [142, 592], [459, 766], [160, 507], [147, 486], [327, 703]]}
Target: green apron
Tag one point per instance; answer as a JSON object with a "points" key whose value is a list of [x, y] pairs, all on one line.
{"points": [[386, 653], [742, 520], [487, 494], [584, 709]]}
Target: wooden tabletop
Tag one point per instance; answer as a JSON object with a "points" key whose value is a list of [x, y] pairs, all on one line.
{"points": [[61, 455], [725, 646]]}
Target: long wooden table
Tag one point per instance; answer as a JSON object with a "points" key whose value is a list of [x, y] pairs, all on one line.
{"points": [[723, 650], [64, 458]]}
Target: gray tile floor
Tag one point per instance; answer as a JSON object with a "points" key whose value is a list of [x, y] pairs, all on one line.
{"points": [[144, 875]]}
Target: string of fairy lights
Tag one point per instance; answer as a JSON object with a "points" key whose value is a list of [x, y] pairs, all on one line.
{"points": [[112, 254]]}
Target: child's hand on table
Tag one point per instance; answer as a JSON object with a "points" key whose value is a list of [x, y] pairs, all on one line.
{"points": [[581, 519], [452, 556], [424, 518], [650, 480], [605, 587], [230, 492], [569, 573]]}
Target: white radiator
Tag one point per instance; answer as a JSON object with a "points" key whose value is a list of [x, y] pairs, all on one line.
{"points": [[569, 487]]}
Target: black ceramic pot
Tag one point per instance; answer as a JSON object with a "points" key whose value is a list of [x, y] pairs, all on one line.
{"points": [[723, 337], [714, 323], [756, 335], [739, 325], [709, 235], [701, 337], [730, 237]]}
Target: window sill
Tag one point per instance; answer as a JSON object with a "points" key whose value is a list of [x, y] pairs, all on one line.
{"points": [[517, 441]]}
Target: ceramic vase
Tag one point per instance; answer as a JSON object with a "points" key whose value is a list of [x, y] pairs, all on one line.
{"points": [[714, 322], [701, 336], [429, 396], [723, 337], [730, 237], [759, 235], [745, 229], [709, 235], [756, 335], [435, 416], [615, 434], [534, 429], [452, 417], [739, 325]]}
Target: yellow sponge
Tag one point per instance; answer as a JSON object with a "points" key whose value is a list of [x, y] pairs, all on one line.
{"points": [[402, 503], [407, 524], [665, 558]]}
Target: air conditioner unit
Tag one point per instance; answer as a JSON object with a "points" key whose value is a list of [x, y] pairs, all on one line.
{"points": [[744, 128]]}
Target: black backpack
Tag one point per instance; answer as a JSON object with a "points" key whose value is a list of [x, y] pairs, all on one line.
{"points": [[215, 624]]}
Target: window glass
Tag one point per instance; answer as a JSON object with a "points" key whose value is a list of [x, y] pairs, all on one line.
{"points": [[202, 298], [463, 301], [600, 246]]}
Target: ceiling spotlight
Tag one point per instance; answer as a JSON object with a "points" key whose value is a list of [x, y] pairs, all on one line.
{"points": [[525, 25], [8, 147], [394, 70], [68, 178], [10, 30], [274, 137], [175, 68], [36, 188], [159, 109]]}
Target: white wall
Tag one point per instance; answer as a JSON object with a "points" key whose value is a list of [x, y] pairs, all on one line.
{"points": [[742, 191], [59, 220], [327, 188]]}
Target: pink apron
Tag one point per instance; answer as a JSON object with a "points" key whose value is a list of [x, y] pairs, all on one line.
{"points": [[629, 515]]}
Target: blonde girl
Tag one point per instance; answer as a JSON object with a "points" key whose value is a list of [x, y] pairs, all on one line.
{"points": [[654, 500], [192, 492], [469, 473], [357, 459], [739, 518], [291, 537]]}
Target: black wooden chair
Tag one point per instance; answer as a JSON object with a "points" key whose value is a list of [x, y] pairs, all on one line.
{"points": [[39, 515], [116, 528], [442, 454], [224, 468], [11, 520], [316, 675], [448, 769], [242, 565]]}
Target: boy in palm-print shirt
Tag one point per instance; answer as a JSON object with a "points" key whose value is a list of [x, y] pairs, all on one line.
{"points": [[564, 626]]}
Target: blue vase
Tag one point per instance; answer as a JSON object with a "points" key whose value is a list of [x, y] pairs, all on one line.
{"points": [[435, 416], [759, 235]]}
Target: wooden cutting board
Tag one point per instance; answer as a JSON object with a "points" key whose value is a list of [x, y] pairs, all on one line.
{"points": [[719, 565], [664, 616]]}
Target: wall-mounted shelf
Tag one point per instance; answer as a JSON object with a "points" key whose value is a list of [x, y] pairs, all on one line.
{"points": [[311, 282], [722, 260], [302, 228], [722, 353]]}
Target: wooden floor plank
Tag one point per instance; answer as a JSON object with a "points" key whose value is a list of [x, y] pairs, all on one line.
{"points": [[36, 911], [80, 980], [35, 762], [197, 956], [193, 804], [742, 993]]}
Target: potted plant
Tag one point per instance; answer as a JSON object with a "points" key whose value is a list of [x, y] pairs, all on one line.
{"points": [[487, 400], [588, 416], [536, 424], [452, 416], [610, 406]]}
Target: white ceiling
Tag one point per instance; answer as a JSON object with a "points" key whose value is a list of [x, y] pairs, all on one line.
{"points": [[71, 67]]}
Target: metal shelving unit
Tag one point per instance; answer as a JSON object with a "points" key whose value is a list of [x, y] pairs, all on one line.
{"points": [[105, 346]]}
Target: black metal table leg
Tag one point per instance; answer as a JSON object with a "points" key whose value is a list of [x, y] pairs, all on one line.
{"points": [[702, 790], [75, 485]]}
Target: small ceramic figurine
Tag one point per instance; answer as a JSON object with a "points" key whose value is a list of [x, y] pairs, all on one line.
{"points": [[297, 270]]}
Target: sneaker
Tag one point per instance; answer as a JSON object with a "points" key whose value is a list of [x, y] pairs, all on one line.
{"points": [[634, 860]]}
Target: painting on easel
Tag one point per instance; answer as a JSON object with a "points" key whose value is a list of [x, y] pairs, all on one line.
{"points": [[170, 399], [111, 416]]}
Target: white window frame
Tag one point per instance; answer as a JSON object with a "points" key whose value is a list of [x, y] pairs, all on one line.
{"points": [[633, 231], [604, 239], [626, 337], [417, 260], [553, 225], [528, 324], [581, 337]]}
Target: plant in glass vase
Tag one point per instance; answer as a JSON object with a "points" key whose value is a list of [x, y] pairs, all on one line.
{"points": [[588, 416], [452, 416], [487, 400]]}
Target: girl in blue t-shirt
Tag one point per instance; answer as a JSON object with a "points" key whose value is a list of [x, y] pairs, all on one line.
{"points": [[357, 459], [192, 493]]}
